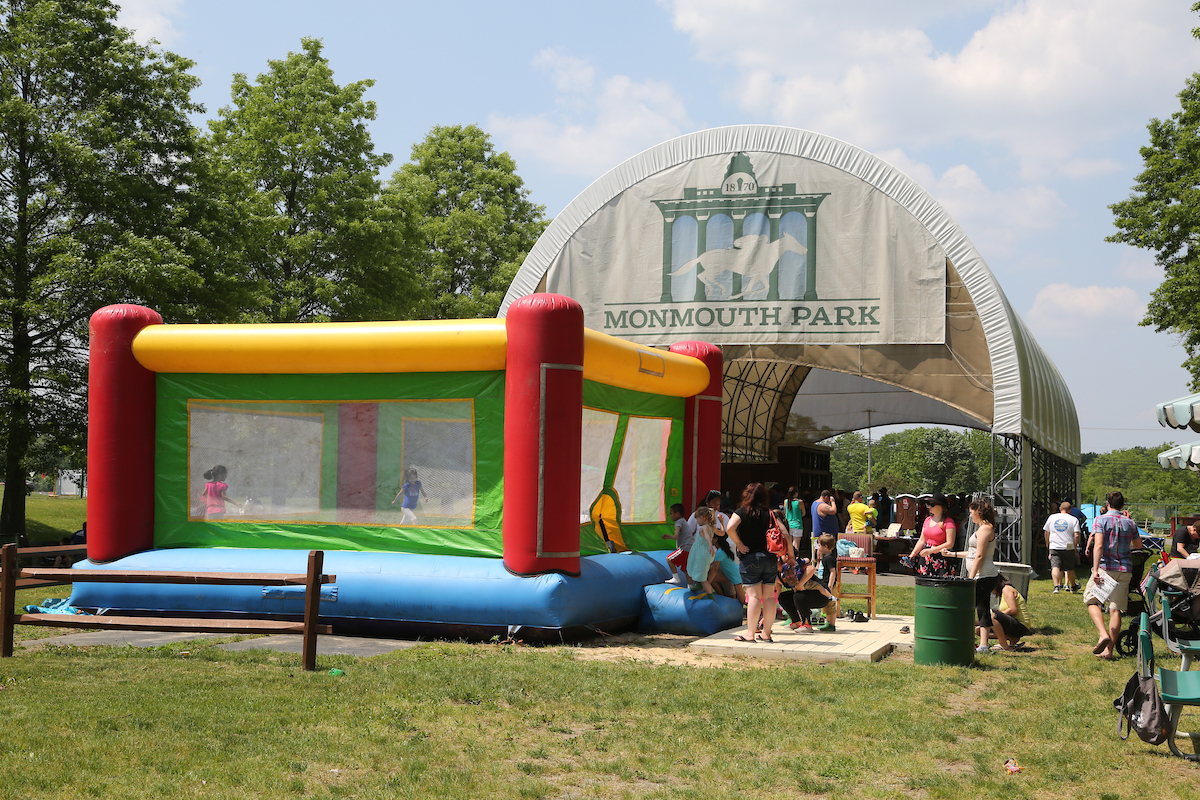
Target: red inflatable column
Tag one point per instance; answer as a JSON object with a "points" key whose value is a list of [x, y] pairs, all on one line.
{"points": [[120, 455], [543, 428], [702, 426]]}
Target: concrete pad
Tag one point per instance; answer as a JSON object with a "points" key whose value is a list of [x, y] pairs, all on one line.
{"points": [[326, 645], [852, 641]]}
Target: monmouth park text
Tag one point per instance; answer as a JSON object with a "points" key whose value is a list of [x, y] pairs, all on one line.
{"points": [[743, 315]]}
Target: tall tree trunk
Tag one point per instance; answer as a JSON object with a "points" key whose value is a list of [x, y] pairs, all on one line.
{"points": [[18, 401]]}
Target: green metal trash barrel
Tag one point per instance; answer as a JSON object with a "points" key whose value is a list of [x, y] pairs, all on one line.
{"points": [[944, 628]]}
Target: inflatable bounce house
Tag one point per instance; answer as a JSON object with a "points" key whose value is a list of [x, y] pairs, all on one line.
{"points": [[464, 478]]}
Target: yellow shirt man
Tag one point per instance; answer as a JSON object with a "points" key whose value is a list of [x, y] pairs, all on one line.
{"points": [[858, 511]]}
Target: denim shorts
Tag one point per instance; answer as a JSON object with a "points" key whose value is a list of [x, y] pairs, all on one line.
{"points": [[759, 568]]}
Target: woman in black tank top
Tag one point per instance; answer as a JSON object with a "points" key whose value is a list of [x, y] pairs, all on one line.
{"points": [[748, 531]]}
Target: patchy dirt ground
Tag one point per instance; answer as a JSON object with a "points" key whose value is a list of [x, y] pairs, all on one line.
{"points": [[659, 648]]}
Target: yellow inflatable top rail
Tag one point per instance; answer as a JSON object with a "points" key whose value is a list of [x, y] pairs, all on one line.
{"points": [[421, 346]]}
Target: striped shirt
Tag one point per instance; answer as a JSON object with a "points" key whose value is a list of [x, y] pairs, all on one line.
{"points": [[1118, 533]]}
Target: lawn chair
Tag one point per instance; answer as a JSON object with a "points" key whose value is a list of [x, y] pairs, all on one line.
{"points": [[1178, 689]]}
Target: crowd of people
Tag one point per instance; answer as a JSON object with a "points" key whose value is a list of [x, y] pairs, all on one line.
{"points": [[729, 553]]}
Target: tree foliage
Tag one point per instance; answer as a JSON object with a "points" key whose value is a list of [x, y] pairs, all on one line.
{"points": [[1136, 473], [109, 194], [297, 172], [914, 460], [476, 222], [96, 160], [1163, 216]]}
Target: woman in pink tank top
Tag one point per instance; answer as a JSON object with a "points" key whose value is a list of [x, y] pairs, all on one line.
{"points": [[937, 536]]}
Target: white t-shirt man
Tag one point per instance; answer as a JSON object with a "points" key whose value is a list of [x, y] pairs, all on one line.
{"points": [[1063, 530]]}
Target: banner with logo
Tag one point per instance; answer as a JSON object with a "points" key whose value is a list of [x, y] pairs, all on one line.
{"points": [[751, 248]]}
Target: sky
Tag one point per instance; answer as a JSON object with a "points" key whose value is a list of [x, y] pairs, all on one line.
{"points": [[1023, 119]]}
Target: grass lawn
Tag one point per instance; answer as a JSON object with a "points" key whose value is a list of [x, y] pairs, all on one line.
{"points": [[49, 519], [483, 720], [468, 720]]}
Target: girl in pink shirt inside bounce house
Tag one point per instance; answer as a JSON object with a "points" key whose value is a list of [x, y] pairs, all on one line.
{"points": [[214, 493]]}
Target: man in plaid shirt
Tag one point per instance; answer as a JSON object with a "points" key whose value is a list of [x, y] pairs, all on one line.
{"points": [[1116, 536]]}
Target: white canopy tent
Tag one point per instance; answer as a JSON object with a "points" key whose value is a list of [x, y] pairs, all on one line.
{"points": [[1185, 456], [950, 349], [1182, 413]]}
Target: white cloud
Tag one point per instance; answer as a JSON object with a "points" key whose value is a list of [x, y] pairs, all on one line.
{"points": [[1061, 309], [150, 19], [1043, 80], [571, 75], [996, 218], [592, 130]]}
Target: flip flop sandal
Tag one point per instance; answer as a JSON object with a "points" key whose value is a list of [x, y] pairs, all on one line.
{"points": [[740, 638], [761, 638], [1101, 646]]}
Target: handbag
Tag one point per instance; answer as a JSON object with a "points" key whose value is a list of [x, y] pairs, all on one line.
{"points": [[1142, 710], [776, 543]]}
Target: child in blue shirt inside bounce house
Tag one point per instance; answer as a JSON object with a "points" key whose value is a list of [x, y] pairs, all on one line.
{"points": [[411, 491]]}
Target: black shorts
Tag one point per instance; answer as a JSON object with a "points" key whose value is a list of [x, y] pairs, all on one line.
{"points": [[1012, 627]]}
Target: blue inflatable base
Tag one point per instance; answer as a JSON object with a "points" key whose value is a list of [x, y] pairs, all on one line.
{"points": [[677, 609], [397, 593]]}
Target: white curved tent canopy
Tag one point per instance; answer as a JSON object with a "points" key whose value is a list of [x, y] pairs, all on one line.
{"points": [[663, 238], [1182, 413], [1185, 456]]}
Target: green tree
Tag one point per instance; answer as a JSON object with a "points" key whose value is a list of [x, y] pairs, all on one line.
{"points": [[848, 461], [983, 450], [896, 462], [311, 238], [1163, 216], [476, 223], [945, 461], [1136, 473], [914, 460], [97, 155]]}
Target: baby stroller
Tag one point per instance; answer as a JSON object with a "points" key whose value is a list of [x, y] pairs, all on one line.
{"points": [[1175, 585]]}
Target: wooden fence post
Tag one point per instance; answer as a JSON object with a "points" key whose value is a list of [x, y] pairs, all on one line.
{"points": [[312, 608], [8, 598]]}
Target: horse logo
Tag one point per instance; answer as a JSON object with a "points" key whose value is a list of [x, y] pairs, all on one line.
{"points": [[751, 257]]}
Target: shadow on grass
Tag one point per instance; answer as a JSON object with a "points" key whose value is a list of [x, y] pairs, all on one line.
{"points": [[1047, 630], [40, 533]]}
